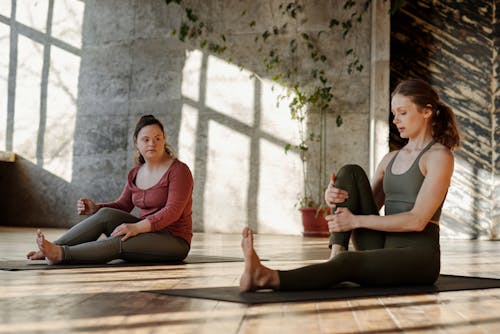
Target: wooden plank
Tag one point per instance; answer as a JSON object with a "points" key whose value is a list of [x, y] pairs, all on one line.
{"points": [[113, 300], [7, 156]]}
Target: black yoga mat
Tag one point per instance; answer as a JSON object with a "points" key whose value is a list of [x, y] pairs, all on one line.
{"points": [[42, 264], [343, 291]]}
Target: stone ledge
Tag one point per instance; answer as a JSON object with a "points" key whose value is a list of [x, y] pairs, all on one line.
{"points": [[7, 156]]}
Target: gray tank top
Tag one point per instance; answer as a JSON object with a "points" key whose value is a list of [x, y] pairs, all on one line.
{"points": [[401, 190]]}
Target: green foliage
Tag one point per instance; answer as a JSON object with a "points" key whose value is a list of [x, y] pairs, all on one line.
{"points": [[307, 92]]}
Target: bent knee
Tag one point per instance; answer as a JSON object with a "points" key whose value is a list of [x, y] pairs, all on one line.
{"points": [[108, 212], [105, 211], [350, 169], [348, 173]]}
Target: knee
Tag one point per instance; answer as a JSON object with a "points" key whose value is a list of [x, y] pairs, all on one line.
{"points": [[350, 169], [347, 172], [105, 212]]}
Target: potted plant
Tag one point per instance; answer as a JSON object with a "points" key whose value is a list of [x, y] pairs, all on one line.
{"points": [[308, 89], [309, 93]]}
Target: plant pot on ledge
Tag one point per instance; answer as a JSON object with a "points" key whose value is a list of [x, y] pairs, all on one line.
{"points": [[315, 225]]}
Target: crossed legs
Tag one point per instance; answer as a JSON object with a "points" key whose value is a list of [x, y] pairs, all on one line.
{"points": [[81, 244]]}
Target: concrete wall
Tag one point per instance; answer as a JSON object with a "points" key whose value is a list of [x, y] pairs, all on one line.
{"points": [[455, 47], [76, 75]]}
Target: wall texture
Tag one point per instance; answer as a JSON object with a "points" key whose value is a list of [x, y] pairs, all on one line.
{"points": [[454, 45], [76, 75]]}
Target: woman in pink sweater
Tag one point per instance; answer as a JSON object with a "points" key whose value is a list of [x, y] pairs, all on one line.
{"points": [[160, 185]]}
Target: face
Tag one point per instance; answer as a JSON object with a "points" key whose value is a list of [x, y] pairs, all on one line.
{"points": [[150, 142], [408, 117]]}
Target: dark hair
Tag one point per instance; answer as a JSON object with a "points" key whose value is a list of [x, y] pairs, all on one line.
{"points": [[443, 124], [151, 120]]}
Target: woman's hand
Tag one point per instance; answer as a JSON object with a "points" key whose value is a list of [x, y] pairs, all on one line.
{"points": [[127, 230], [342, 221], [131, 230], [86, 206], [333, 195]]}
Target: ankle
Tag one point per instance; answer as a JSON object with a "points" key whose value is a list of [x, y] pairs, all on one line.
{"points": [[266, 278]]}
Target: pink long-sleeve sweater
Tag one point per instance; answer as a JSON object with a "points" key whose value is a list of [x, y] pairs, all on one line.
{"points": [[167, 204]]}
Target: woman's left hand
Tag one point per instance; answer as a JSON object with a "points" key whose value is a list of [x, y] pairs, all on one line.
{"points": [[127, 230], [342, 221]]}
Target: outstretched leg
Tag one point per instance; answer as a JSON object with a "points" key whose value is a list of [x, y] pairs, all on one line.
{"points": [[256, 275], [52, 252]]}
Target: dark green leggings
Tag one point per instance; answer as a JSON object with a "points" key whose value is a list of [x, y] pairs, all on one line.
{"points": [[81, 244], [381, 258]]}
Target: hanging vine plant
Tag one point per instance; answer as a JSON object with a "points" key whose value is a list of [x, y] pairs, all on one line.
{"points": [[307, 89]]}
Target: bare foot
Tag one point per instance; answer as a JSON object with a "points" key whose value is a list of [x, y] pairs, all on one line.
{"points": [[52, 252], [36, 255], [256, 276]]}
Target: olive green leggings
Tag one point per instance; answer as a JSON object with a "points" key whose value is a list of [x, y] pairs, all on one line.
{"points": [[381, 258], [81, 243]]}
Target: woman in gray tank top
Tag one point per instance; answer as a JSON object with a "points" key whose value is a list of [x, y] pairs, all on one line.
{"points": [[402, 246]]}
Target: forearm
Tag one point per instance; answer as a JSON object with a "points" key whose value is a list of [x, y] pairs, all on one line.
{"points": [[401, 222]]}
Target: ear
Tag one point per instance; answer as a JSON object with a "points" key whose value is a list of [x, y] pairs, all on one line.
{"points": [[427, 111]]}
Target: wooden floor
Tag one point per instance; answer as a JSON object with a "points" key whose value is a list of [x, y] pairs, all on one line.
{"points": [[109, 300]]}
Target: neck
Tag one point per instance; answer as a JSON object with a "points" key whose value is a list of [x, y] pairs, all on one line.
{"points": [[419, 143], [153, 164]]}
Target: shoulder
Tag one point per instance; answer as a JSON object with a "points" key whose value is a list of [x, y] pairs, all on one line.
{"points": [[386, 159], [438, 157], [382, 166], [180, 168], [438, 152]]}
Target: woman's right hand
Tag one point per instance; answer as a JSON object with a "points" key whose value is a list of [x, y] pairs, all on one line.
{"points": [[333, 195], [86, 206]]}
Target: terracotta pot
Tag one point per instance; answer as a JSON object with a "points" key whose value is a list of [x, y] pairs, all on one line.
{"points": [[314, 226]]}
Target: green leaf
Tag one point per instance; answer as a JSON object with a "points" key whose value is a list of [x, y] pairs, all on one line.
{"points": [[396, 6], [349, 4], [276, 77], [190, 15], [333, 23], [183, 31], [339, 120]]}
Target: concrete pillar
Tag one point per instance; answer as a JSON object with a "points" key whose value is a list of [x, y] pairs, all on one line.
{"points": [[379, 82]]}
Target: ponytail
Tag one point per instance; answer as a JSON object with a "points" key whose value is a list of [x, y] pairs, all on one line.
{"points": [[444, 126]]}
